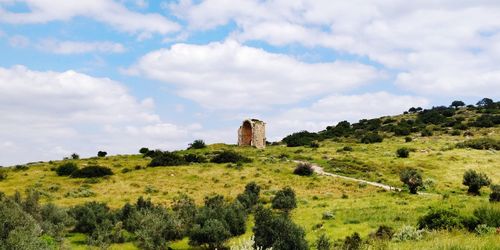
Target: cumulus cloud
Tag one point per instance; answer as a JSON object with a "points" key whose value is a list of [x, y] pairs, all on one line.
{"points": [[46, 115], [332, 109], [437, 48], [78, 47], [228, 75], [107, 11]]}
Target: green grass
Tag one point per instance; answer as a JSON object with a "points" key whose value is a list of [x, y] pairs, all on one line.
{"points": [[364, 209]]}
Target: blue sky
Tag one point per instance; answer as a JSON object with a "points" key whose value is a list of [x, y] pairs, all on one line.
{"points": [[117, 75]]}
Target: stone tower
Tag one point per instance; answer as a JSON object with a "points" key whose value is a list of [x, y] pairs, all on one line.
{"points": [[252, 133]]}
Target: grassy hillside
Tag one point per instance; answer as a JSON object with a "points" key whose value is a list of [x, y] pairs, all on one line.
{"points": [[355, 207]]}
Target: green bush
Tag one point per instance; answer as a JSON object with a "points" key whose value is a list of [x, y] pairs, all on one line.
{"points": [[371, 138], [277, 231], [426, 132], [481, 144], [144, 151], [495, 193], [284, 200], [3, 174], [230, 157], [303, 138], [323, 243], [412, 178], [250, 196], [167, 159], [383, 233], [154, 227], [66, 169], [488, 215], [408, 233], [303, 169], [408, 139], [92, 172], [89, 215], [213, 233], [403, 152], [475, 181], [437, 219], [352, 242], [195, 158], [101, 154], [197, 144]]}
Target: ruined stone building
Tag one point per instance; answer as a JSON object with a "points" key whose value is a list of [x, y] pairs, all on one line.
{"points": [[252, 133]]}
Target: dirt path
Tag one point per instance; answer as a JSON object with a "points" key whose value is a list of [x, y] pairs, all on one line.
{"points": [[319, 170]]}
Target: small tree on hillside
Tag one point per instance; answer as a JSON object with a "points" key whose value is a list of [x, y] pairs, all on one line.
{"points": [[412, 179], [475, 181], [197, 144], [457, 104], [285, 200], [101, 154]]}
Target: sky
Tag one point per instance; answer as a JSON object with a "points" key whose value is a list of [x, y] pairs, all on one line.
{"points": [[118, 75]]}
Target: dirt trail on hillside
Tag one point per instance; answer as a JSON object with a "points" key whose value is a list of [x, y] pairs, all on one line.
{"points": [[319, 170]]}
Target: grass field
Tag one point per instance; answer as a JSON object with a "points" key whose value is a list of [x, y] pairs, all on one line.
{"points": [[356, 208]]}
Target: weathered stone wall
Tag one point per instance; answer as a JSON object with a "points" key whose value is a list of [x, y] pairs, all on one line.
{"points": [[254, 129]]}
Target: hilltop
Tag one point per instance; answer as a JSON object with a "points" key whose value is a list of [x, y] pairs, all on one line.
{"points": [[442, 142]]}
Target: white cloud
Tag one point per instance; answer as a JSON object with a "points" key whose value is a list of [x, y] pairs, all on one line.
{"points": [[335, 108], [440, 48], [107, 11], [229, 75], [78, 47], [18, 41], [45, 115]]}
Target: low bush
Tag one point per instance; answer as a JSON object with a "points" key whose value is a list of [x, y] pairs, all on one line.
{"points": [[197, 144], [285, 199], [66, 169], [303, 169], [481, 144], [3, 174], [437, 219], [371, 138], [408, 139], [412, 178], [383, 233], [488, 215], [495, 193], [323, 243], [303, 138], [250, 196], [92, 172], [426, 132], [403, 152], [475, 181], [352, 242], [230, 157], [195, 158], [89, 215], [167, 158]]}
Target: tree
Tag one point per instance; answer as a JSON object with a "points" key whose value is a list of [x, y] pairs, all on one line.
{"points": [[284, 200], [213, 233], [250, 196], [144, 151], [412, 179], [101, 154], [475, 181], [485, 103], [197, 144], [457, 104], [277, 231], [75, 156]]}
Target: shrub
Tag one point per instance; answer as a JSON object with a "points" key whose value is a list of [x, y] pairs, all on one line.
{"points": [[250, 196], [230, 157], [383, 233], [144, 151], [212, 233], [412, 179], [197, 144], [483, 229], [75, 156], [89, 215], [371, 138], [194, 158], [185, 211], [92, 172], [303, 169], [101, 154], [481, 143], [314, 144], [328, 215], [284, 200], [475, 181], [55, 220], [3, 174], [488, 215], [277, 232], [408, 233], [495, 193], [403, 152], [247, 245], [154, 228], [66, 169], [486, 121], [303, 138], [455, 133], [347, 149], [457, 104], [323, 243], [353, 242], [437, 219], [167, 159], [426, 132], [408, 139]]}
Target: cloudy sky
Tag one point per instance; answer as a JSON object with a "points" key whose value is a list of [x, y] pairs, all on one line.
{"points": [[117, 75]]}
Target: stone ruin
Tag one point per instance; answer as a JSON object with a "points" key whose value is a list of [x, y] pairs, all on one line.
{"points": [[252, 133]]}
